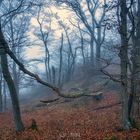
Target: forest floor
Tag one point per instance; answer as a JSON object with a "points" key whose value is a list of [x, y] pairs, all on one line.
{"points": [[94, 120]]}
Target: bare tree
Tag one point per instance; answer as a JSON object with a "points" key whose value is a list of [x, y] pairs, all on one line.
{"points": [[1, 101], [61, 62], [15, 32], [44, 35], [91, 25], [4, 93], [135, 55], [82, 44], [5, 18], [10, 83]]}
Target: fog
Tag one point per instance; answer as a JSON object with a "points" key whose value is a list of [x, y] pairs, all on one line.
{"points": [[69, 69]]}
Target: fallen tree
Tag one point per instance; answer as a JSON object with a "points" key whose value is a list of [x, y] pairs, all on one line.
{"points": [[39, 80]]}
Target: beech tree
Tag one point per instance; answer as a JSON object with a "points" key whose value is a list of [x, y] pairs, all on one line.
{"points": [[15, 32], [43, 33], [135, 57], [91, 22], [124, 62], [129, 68], [4, 60], [1, 101], [60, 78], [7, 76]]}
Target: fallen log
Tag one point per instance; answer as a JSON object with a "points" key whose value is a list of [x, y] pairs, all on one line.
{"points": [[97, 96], [49, 101], [107, 106]]}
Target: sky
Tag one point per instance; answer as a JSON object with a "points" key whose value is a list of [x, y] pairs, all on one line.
{"points": [[64, 15], [36, 51]]}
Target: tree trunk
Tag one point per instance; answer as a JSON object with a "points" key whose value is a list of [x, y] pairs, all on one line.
{"points": [[92, 50], [5, 70], [47, 62], [134, 80], [135, 66], [82, 45], [15, 78], [53, 75], [98, 47], [60, 64], [70, 58], [13, 93], [13, 47], [138, 39], [4, 96], [124, 62], [82, 49], [1, 101]]}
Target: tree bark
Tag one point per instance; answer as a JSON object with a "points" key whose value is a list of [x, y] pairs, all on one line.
{"points": [[92, 50], [138, 39], [4, 96], [98, 47], [7, 76], [1, 101], [70, 58], [53, 75], [60, 63], [82, 45], [124, 64], [135, 58]]}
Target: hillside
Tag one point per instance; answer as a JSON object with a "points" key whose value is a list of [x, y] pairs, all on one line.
{"points": [[91, 120]]}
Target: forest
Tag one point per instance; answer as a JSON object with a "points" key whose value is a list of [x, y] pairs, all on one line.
{"points": [[69, 69]]}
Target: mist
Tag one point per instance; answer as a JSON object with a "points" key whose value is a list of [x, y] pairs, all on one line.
{"points": [[69, 69]]}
